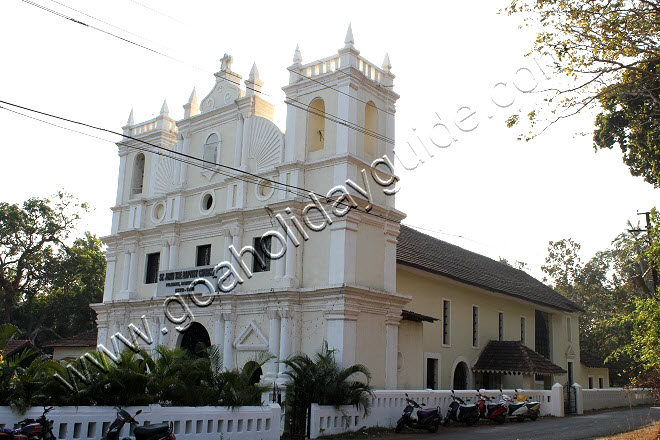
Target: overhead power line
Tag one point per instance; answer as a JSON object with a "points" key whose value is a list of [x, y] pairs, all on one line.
{"points": [[197, 161]]}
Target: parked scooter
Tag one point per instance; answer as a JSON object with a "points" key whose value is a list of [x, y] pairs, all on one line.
{"points": [[495, 412], [158, 431], [461, 412], [533, 407], [31, 429], [426, 418], [516, 410]]}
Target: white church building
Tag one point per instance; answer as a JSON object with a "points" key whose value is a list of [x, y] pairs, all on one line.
{"points": [[226, 185]]}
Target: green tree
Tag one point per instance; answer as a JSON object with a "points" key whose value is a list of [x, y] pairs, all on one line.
{"points": [[46, 285], [609, 49]]}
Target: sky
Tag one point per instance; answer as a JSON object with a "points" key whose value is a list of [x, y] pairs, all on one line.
{"points": [[458, 64]]}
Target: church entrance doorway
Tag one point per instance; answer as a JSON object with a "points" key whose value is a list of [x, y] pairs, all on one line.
{"points": [[196, 339], [461, 376]]}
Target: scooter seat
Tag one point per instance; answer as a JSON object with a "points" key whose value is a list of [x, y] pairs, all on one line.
{"points": [[151, 430], [426, 412], [469, 405]]}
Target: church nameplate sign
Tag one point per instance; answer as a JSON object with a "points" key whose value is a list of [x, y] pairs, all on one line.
{"points": [[175, 281]]}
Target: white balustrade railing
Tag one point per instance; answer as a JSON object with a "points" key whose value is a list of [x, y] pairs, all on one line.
{"points": [[616, 397], [200, 423], [331, 64], [158, 123], [387, 405]]}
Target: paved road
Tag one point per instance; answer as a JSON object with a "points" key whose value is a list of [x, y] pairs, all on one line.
{"points": [[589, 426]]}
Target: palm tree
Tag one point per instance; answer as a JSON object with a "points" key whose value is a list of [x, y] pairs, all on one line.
{"points": [[322, 380]]}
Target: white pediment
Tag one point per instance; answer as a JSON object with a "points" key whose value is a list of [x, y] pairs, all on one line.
{"points": [[251, 338], [570, 352], [224, 93]]}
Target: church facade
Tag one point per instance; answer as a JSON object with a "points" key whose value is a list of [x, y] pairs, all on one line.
{"points": [[298, 235]]}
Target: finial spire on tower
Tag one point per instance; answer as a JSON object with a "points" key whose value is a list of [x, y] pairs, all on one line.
{"points": [[349, 41], [164, 110], [131, 120], [253, 83], [191, 108], [387, 65], [297, 57]]}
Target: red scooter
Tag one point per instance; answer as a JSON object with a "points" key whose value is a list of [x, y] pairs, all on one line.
{"points": [[496, 412], [30, 429]]}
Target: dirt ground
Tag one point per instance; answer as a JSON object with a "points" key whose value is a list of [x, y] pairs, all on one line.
{"points": [[649, 433]]}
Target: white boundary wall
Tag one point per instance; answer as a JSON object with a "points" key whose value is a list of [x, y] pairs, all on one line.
{"points": [[199, 423], [387, 406], [615, 397]]}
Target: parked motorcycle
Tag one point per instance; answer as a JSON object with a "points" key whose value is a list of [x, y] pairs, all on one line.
{"points": [[516, 410], [533, 407], [31, 429], [428, 419], [461, 412], [158, 431], [495, 412]]}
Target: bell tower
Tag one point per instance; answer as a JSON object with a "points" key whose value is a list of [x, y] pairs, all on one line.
{"points": [[341, 106]]}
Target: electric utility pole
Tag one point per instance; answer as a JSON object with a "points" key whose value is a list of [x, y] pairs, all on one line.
{"points": [[654, 273]]}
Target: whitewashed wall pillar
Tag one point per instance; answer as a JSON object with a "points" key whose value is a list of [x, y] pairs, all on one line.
{"points": [[557, 400], [291, 261], [579, 398], [132, 274], [164, 255], [219, 331], [121, 179], [185, 149], [389, 263], [174, 252], [273, 343], [392, 321], [111, 264], [341, 334], [285, 340], [125, 272], [343, 252], [239, 141], [228, 344]]}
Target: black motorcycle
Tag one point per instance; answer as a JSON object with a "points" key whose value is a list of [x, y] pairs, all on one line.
{"points": [[428, 419], [158, 431], [39, 429], [461, 412]]}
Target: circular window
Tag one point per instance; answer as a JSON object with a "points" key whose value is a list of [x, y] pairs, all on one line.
{"points": [[207, 202], [264, 190], [158, 212]]}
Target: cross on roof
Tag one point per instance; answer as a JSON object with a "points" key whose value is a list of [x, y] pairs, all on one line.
{"points": [[226, 63]]}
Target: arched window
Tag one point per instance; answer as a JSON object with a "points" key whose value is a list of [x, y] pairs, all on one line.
{"points": [[211, 148], [137, 182], [316, 125], [371, 125]]}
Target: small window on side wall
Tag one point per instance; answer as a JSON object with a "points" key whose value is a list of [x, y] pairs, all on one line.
{"points": [[203, 255], [601, 382], [153, 260], [260, 261]]}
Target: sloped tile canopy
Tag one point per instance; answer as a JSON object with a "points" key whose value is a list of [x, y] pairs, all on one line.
{"points": [[513, 357], [418, 250], [86, 339]]}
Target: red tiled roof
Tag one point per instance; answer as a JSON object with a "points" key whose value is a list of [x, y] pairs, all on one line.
{"points": [[86, 339], [417, 317], [421, 251], [16, 345], [590, 360], [513, 357]]}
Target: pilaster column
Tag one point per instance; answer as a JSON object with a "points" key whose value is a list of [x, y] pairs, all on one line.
{"points": [[341, 334], [185, 149], [102, 335], [343, 252], [219, 331], [392, 321], [126, 270], [174, 252], [238, 148], [121, 179], [111, 263], [273, 343], [389, 263], [285, 340], [164, 255], [228, 345], [132, 274]]}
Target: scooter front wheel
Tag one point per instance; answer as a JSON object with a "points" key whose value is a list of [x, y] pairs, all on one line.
{"points": [[399, 425], [533, 417], [434, 428]]}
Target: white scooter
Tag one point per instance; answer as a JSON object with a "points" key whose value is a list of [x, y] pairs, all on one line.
{"points": [[515, 410]]}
